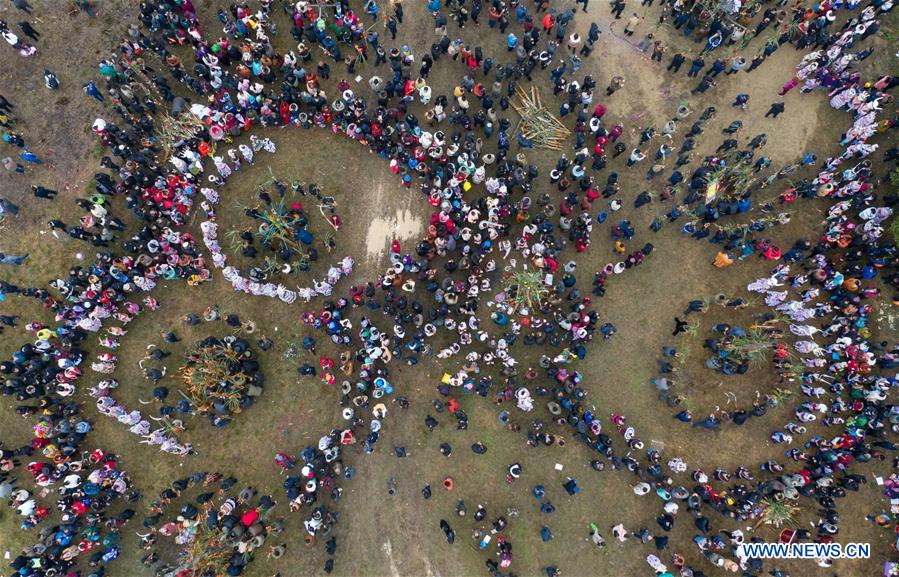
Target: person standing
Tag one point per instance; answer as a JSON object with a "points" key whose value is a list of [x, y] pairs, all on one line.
{"points": [[574, 40], [756, 62], [718, 66], [22, 5], [636, 156], [617, 9], [85, 7], [12, 259], [697, 65], [7, 206], [57, 229], [676, 62], [632, 24], [775, 109], [28, 31], [50, 80], [390, 23], [615, 85], [736, 64], [43, 192], [91, 89], [704, 85], [475, 11]]}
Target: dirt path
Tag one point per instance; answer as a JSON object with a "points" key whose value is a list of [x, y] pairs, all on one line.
{"points": [[402, 226]]}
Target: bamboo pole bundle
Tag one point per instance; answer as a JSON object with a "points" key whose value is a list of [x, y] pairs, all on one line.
{"points": [[537, 123]]}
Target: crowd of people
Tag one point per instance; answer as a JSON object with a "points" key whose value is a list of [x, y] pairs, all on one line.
{"points": [[217, 531], [87, 483], [496, 265]]}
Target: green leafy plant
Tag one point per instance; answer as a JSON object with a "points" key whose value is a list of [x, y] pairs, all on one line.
{"points": [[894, 178], [777, 512], [210, 376], [525, 288], [755, 346], [780, 397]]}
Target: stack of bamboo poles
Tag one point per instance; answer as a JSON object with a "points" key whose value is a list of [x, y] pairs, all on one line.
{"points": [[170, 130], [208, 377], [175, 129], [277, 225], [538, 124], [526, 289]]}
